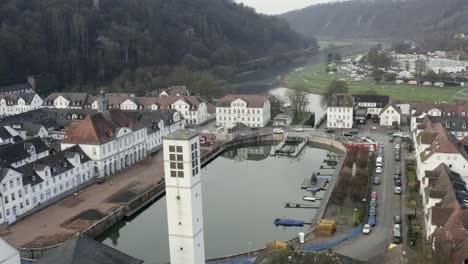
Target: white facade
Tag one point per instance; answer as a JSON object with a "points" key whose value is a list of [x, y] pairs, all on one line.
{"points": [[18, 197], [390, 115], [127, 148], [192, 115], [16, 104], [184, 198], [340, 117], [240, 112], [14, 199]]}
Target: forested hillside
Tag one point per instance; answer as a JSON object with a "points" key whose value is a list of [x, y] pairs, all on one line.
{"points": [[94, 42], [432, 22]]}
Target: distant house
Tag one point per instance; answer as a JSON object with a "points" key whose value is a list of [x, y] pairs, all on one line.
{"points": [[250, 110], [173, 91], [13, 104], [390, 116], [67, 100], [282, 120], [81, 249], [340, 111], [373, 104], [8, 135], [420, 110]]}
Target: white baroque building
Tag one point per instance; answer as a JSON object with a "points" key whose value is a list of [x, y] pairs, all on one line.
{"points": [[340, 111], [115, 139], [41, 179], [182, 171], [250, 110], [13, 104]]}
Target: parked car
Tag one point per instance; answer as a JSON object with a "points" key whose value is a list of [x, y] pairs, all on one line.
{"points": [[330, 131], [398, 182], [373, 211], [397, 219], [372, 220], [373, 203], [354, 132], [397, 190], [347, 134], [397, 178], [397, 134], [378, 170], [397, 146], [398, 172], [100, 180], [391, 139], [278, 131], [376, 180], [374, 195], [299, 129], [366, 229], [397, 158]]}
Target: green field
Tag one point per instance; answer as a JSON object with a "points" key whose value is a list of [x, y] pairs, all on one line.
{"points": [[315, 79], [326, 45]]}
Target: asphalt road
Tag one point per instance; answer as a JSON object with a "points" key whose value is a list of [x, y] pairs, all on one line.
{"points": [[365, 247]]}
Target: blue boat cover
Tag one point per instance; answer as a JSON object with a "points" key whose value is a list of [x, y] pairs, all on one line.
{"points": [[313, 188]]}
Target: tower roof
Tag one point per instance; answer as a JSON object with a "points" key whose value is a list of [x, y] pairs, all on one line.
{"points": [[181, 135]]}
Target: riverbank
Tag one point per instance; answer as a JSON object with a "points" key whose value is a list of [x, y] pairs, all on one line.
{"points": [[315, 79]]}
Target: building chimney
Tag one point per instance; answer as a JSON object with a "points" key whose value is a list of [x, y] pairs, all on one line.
{"points": [[103, 104]]}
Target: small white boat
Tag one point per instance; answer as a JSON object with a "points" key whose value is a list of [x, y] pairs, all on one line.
{"points": [[309, 198]]}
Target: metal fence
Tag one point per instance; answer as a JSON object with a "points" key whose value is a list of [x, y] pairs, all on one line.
{"points": [[333, 242]]}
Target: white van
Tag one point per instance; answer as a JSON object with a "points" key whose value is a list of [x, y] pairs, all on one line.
{"points": [[379, 162]]}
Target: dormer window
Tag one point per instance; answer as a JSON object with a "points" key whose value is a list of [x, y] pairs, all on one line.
{"points": [[65, 164]]}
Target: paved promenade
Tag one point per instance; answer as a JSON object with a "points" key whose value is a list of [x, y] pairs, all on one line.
{"points": [[62, 220]]}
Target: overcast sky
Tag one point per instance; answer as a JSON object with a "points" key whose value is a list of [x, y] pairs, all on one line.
{"points": [[274, 7]]}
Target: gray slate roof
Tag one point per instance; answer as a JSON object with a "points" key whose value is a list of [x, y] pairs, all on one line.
{"points": [[15, 87], [57, 162], [84, 250], [380, 100], [452, 123], [11, 153]]}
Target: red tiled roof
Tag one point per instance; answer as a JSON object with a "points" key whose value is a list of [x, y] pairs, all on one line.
{"points": [[253, 101], [96, 130]]}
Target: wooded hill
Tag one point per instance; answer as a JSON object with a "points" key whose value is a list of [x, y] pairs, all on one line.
{"points": [[431, 22], [95, 41]]}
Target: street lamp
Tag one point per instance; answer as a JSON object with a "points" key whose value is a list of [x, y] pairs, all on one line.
{"points": [[354, 214], [250, 244]]}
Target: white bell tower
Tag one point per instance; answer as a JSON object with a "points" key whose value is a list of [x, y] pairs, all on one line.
{"points": [[184, 197]]}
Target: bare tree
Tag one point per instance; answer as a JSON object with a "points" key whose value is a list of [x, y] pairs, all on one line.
{"points": [[299, 101], [419, 69]]}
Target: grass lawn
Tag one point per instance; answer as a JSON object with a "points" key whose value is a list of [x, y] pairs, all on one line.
{"points": [[316, 80], [326, 45], [300, 118]]}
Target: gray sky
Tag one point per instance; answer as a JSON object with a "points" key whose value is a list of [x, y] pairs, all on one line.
{"points": [[274, 7]]}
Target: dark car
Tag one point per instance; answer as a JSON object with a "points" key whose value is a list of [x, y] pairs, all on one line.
{"points": [[397, 182], [397, 158], [397, 219], [330, 131], [376, 180], [354, 132], [397, 178], [398, 172], [347, 134], [391, 139], [372, 220], [100, 180]]}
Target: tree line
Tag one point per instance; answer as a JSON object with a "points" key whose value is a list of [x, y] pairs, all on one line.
{"points": [[89, 43]]}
